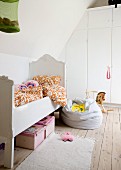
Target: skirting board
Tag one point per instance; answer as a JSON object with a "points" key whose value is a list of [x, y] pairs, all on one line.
{"points": [[112, 105]]}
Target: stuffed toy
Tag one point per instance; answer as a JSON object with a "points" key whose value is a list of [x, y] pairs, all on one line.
{"points": [[100, 99], [19, 87], [67, 137], [31, 83]]}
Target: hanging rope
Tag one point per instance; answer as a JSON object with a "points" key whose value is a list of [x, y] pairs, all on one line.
{"points": [[108, 76]]}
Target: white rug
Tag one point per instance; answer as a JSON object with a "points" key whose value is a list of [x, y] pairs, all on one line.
{"points": [[54, 154]]}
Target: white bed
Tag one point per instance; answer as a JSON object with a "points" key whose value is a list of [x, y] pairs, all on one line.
{"points": [[14, 120]]}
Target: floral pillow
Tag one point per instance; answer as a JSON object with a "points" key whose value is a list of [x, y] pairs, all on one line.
{"points": [[43, 80], [47, 80]]}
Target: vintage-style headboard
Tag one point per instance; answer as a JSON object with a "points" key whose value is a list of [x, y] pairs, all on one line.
{"points": [[47, 65], [19, 69]]}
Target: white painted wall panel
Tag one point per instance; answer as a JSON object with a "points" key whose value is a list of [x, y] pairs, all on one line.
{"points": [[116, 85], [117, 16], [99, 57], [116, 66], [77, 64], [116, 47], [99, 18]]}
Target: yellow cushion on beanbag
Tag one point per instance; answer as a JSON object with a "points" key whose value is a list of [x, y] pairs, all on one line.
{"points": [[78, 107]]}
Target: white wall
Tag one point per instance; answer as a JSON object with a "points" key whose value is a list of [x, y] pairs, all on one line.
{"points": [[45, 26], [14, 67]]}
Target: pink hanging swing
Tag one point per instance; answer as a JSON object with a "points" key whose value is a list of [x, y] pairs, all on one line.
{"points": [[108, 75]]}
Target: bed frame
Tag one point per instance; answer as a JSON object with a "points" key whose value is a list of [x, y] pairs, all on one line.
{"points": [[14, 120]]}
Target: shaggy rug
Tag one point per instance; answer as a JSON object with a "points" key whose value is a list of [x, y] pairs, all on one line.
{"points": [[55, 154]]}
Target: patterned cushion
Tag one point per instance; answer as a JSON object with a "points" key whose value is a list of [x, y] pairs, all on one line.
{"points": [[47, 80]]}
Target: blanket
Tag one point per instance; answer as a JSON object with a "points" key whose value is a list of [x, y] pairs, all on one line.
{"points": [[39, 87]]}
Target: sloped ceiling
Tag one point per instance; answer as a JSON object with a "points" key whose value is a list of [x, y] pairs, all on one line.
{"points": [[99, 3], [45, 25]]}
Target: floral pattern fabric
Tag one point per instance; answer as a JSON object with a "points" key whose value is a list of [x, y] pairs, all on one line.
{"points": [[58, 95], [48, 86], [51, 87], [47, 80], [27, 95]]}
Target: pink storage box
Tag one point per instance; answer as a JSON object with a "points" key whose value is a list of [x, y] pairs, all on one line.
{"points": [[49, 123], [31, 137]]}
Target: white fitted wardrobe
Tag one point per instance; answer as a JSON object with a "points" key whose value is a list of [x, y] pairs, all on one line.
{"points": [[95, 46]]}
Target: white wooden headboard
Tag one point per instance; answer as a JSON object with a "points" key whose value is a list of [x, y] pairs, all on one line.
{"points": [[47, 65], [19, 69]]}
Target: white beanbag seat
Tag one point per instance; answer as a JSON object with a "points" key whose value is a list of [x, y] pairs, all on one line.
{"points": [[90, 119]]}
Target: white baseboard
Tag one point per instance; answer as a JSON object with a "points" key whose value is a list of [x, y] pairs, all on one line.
{"points": [[112, 105]]}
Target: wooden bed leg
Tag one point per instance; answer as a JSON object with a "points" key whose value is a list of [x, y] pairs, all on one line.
{"points": [[9, 153], [60, 111], [57, 113]]}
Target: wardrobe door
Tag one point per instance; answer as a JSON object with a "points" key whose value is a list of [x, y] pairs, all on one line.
{"points": [[99, 58], [116, 66], [100, 18], [117, 17], [76, 60]]}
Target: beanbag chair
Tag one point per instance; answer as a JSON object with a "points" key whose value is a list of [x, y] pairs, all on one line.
{"points": [[91, 118]]}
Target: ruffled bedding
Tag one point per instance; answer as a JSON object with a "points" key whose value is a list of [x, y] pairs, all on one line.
{"points": [[57, 94], [39, 87]]}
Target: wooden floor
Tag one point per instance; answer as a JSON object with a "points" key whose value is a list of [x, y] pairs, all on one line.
{"points": [[107, 150]]}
